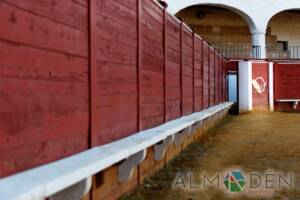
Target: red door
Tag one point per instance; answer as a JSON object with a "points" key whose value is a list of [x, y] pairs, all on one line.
{"points": [[260, 86]]}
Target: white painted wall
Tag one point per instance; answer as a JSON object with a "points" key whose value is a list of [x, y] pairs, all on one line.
{"points": [[271, 86], [257, 13], [245, 86]]}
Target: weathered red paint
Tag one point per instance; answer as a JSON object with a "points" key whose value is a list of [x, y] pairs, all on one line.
{"points": [[216, 78], [181, 68], [225, 82], [232, 66], [78, 74], [286, 84], [206, 82], [118, 60], [198, 73], [212, 77], [44, 76], [139, 61], [194, 52], [173, 91], [165, 63], [187, 76], [260, 73], [152, 79], [92, 71]]}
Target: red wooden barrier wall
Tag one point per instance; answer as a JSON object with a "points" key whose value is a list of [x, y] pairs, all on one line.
{"points": [[225, 81], [77, 74], [198, 74], [206, 75], [173, 86], [44, 114], [287, 84], [187, 72], [152, 70], [212, 76], [115, 92]]}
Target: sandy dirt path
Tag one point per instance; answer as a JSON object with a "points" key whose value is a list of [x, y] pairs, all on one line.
{"points": [[257, 143]]}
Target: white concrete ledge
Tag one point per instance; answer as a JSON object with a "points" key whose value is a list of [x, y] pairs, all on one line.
{"points": [[47, 180], [287, 100], [295, 102]]}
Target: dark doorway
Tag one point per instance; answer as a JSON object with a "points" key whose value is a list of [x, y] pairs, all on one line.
{"points": [[233, 92]]}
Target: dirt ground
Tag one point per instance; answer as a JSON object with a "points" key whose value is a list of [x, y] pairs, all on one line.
{"points": [[265, 144]]}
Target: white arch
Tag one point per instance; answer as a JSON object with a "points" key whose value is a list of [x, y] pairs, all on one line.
{"points": [[257, 13], [246, 17], [280, 11], [177, 5]]}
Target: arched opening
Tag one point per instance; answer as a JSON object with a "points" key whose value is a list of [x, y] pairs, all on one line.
{"points": [[285, 30], [227, 29]]}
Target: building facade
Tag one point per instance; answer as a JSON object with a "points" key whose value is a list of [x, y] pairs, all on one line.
{"points": [[256, 22]]}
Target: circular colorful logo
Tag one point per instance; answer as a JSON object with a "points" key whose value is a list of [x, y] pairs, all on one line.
{"points": [[234, 181]]}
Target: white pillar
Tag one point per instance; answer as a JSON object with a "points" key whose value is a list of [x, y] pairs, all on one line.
{"points": [[271, 88], [245, 86], [259, 45]]}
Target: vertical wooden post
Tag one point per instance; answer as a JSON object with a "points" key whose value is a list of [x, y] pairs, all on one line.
{"points": [[92, 72], [202, 64], [139, 61], [215, 80], [226, 82], [181, 67], [221, 72], [219, 78], [194, 72], [209, 49], [165, 63], [139, 70], [222, 80]]}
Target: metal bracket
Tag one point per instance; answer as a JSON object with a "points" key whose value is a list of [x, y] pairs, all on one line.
{"points": [[295, 104], [196, 126], [126, 168], [179, 136], [74, 192], [161, 148]]}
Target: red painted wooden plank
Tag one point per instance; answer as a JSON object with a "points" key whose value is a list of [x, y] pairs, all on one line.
{"points": [[206, 82], [165, 64], [194, 52], [286, 84], [92, 72], [40, 32], [181, 67], [23, 158], [116, 72], [215, 77], [187, 70], [211, 76], [44, 83], [152, 71], [173, 67], [68, 13], [139, 60], [199, 74]]}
